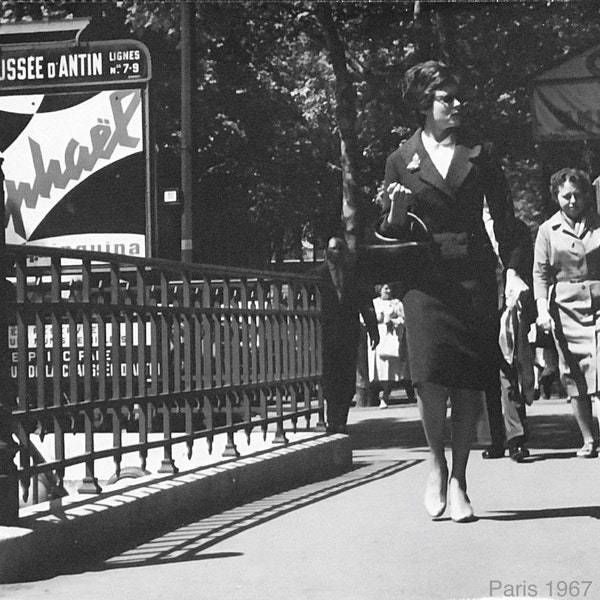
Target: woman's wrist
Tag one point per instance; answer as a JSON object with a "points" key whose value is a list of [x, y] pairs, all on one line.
{"points": [[543, 314], [512, 275]]}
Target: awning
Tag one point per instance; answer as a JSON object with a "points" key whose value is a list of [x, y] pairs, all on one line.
{"points": [[566, 99]]}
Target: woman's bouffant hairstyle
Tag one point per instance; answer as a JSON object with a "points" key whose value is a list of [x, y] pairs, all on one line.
{"points": [[421, 82], [380, 286], [576, 177]]}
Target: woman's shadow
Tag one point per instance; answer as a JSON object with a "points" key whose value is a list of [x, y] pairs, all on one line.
{"points": [[542, 513]]}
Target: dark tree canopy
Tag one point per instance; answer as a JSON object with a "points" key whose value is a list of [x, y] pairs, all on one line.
{"points": [[269, 109]]}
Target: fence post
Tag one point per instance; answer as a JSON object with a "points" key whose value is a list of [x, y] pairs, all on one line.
{"points": [[9, 486]]}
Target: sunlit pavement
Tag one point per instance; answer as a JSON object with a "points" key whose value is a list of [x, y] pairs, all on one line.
{"points": [[365, 534]]}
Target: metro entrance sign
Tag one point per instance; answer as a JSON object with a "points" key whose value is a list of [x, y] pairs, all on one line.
{"points": [[94, 63], [74, 136]]}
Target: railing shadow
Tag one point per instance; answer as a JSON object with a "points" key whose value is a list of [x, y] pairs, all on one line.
{"points": [[190, 541]]}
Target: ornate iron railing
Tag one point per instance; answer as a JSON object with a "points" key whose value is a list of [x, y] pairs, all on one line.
{"points": [[104, 343]]}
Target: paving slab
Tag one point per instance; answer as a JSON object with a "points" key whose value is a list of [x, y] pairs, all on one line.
{"points": [[364, 534], [55, 536]]}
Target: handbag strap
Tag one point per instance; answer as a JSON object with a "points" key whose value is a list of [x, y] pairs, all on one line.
{"points": [[412, 218]]}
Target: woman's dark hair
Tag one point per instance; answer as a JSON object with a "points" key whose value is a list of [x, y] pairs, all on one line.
{"points": [[576, 177], [421, 82], [380, 286]]}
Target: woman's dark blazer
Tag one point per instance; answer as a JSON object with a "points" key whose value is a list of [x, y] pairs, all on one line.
{"points": [[452, 299]]}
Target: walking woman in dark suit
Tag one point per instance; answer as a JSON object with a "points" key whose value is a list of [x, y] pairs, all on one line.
{"points": [[451, 305]]}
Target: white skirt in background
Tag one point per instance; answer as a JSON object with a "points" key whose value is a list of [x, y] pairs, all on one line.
{"points": [[393, 368]]}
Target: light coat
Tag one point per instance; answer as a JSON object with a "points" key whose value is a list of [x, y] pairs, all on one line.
{"points": [[566, 273]]}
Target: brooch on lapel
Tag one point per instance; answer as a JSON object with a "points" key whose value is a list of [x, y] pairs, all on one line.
{"points": [[414, 164], [475, 151]]}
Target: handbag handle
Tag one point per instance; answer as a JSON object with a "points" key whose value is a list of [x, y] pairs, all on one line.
{"points": [[382, 258], [412, 219]]}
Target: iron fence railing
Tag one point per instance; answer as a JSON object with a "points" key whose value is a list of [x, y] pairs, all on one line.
{"points": [[103, 343]]}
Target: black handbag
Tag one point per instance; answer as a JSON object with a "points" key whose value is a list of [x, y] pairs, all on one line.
{"points": [[382, 259]]}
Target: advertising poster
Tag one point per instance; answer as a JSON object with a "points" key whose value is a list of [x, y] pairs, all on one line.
{"points": [[72, 136], [75, 170]]}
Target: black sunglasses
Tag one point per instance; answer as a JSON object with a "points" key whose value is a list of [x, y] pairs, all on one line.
{"points": [[447, 98]]}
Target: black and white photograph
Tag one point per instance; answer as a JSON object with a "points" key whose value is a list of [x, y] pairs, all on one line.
{"points": [[300, 299]]}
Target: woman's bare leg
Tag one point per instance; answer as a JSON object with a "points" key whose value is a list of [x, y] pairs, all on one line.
{"points": [[466, 409], [584, 414], [432, 399], [582, 409], [385, 394]]}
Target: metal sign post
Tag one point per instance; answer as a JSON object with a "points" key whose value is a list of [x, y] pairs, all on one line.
{"points": [[187, 181], [9, 486]]}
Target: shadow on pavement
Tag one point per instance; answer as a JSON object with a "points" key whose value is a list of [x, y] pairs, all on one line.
{"points": [[386, 432], [543, 513], [548, 456], [552, 432], [190, 541]]}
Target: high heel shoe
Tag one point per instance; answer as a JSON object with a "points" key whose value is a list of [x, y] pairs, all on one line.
{"points": [[461, 510], [436, 494], [588, 450]]}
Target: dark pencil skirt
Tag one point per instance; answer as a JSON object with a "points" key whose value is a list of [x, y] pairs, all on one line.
{"points": [[452, 333]]}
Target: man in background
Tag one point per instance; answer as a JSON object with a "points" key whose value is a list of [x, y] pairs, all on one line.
{"points": [[343, 299]]}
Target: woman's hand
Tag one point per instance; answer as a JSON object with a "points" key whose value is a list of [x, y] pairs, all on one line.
{"points": [[544, 320], [400, 199], [374, 338], [513, 288]]}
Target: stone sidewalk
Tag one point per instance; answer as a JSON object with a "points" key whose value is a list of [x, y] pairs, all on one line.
{"points": [[58, 535], [363, 534]]}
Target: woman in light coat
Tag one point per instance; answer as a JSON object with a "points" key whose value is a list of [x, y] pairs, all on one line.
{"points": [[566, 275]]}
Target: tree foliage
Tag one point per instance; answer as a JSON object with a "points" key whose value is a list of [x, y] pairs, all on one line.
{"points": [[268, 167]]}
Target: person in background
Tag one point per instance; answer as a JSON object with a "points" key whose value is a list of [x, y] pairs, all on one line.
{"points": [[451, 302], [343, 299], [388, 361], [517, 373], [566, 275], [513, 389]]}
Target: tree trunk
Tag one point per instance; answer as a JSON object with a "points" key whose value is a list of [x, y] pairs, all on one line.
{"points": [[345, 111], [443, 27], [421, 25], [436, 26]]}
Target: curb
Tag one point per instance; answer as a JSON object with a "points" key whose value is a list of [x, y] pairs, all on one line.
{"points": [[57, 536]]}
